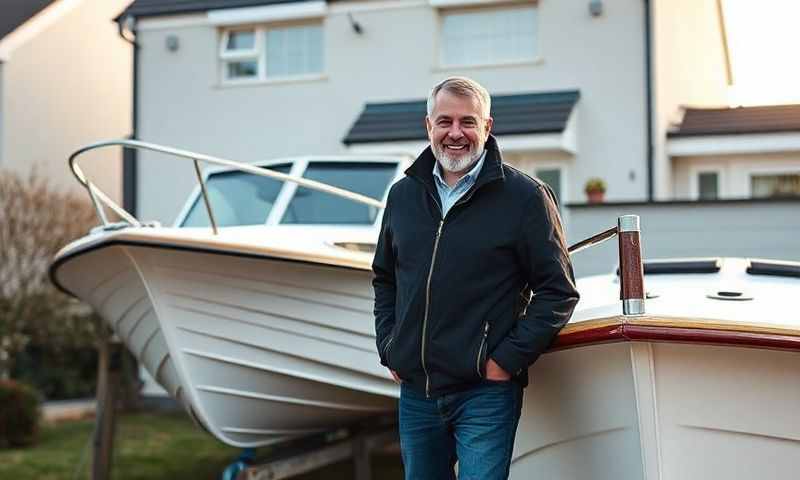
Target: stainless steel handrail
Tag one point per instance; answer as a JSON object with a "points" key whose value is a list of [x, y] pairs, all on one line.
{"points": [[593, 240], [98, 197]]}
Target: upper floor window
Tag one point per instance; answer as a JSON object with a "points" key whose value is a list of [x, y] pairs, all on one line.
{"points": [[488, 36], [240, 54], [269, 52]]}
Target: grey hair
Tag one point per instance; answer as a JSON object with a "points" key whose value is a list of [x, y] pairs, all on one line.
{"points": [[462, 87]]}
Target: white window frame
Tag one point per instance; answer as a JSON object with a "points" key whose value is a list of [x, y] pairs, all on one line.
{"points": [[259, 54], [441, 62], [694, 181], [256, 53], [767, 170]]}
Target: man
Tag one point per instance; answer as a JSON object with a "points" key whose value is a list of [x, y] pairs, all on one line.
{"points": [[465, 240]]}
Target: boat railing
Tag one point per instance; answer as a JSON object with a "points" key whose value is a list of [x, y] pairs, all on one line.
{"points": [[627, 229], [100, 199]]}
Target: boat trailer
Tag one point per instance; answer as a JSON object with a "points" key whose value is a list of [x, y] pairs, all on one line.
{"points": [[304, 454]]}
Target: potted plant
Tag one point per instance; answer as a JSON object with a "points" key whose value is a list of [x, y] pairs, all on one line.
{"points": [[595, 189]]}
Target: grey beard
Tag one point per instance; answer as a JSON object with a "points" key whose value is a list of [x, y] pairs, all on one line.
{"points": [[455, 164]]}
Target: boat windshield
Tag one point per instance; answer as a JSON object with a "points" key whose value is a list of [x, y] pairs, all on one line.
{"points": [[238, 198], [311, 207]]}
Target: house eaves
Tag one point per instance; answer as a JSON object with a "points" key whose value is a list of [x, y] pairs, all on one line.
{"points": [[738, 121], [741, 130], [22, 20], [151, 8]]}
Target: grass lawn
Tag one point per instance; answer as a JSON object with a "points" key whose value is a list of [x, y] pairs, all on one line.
{"points": [[146, 447]]}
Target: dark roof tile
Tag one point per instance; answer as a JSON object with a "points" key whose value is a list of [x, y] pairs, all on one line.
{"points": [[525, 113], [740, 120], [14, 13]]}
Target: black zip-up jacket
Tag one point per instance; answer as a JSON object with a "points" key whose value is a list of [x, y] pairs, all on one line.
{"points": [[451, 292]]}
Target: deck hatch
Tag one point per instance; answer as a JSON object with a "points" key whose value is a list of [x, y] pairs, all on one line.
{"points": [[695, 265]]}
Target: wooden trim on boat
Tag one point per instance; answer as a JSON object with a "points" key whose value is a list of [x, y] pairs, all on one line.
{"points": [[707, 336], [665, 329]]}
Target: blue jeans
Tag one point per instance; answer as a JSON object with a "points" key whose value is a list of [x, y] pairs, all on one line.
{"points": [[476, 427]]}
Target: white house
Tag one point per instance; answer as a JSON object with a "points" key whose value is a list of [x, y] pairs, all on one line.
{"points": [[743, 152], [581, 89], [65, 81]]}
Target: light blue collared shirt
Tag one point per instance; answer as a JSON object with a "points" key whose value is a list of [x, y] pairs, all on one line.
{"points": [[449, 196]]}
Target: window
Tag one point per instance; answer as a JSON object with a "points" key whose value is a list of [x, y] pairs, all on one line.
{"points": [[271, 52], [314, 207], [775, 185], [708, 185], [294, 51], [236, 198], [552, 177], [487, 36], [240, 55]]}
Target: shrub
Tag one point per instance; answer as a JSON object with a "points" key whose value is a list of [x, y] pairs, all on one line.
{"points": [[57, 373], [19, 414], [36, 220]]}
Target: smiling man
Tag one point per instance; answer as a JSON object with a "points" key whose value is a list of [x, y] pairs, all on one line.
{"points": [[465, 241]]}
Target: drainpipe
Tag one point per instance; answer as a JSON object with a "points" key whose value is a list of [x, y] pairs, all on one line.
{"points": [[125, 24], [648, 58]]}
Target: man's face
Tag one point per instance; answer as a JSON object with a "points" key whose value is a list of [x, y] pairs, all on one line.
{"points": [[457, 131]]}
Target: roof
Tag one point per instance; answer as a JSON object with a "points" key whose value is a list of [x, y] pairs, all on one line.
{"points": [[526, 113], [17, 12], [146, 8], [739, 120]]}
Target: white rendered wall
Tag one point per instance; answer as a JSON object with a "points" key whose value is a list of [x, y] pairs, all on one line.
{"points": [[182, 102], [68, 86], [689, 69]]}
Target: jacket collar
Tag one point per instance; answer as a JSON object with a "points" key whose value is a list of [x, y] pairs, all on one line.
{"points": [[422, 168]]}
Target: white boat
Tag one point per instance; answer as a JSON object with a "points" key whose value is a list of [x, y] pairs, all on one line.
{"points": [[266, 331], [262, 326], [705, 385]]}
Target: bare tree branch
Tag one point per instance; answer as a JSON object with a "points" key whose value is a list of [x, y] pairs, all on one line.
{"points": [[36, 220]]}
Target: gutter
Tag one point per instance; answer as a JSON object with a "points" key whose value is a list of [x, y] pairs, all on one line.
{"points": [[130, 155], [648, 59]]}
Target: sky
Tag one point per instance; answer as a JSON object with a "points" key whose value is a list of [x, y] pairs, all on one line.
{"points": [[764, 45]]}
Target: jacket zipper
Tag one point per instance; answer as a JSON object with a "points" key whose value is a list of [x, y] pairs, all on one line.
{"points": [[386, 348], [480, 349], [427, 307]]}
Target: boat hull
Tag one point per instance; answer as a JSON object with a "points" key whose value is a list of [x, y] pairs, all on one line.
{"points": [[650, 410], [255, 349]]}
